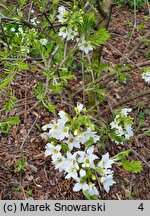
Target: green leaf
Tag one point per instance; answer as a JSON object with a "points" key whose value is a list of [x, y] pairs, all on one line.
{"points": [[116, 138], [133, 166], [56, 88], [29, 192], [89, 143], [5, 124], [88, 23], [122, 155], [51, 107], [16, 189], [14, 120], [146, 133], [6, 81], [100, 37], [10, 103], [21, 166]]}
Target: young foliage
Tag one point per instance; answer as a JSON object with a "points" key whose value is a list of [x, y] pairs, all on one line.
{"points": [[6, 124]]}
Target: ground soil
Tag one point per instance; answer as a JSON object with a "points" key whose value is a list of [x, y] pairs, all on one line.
{"points": [[40, 176]]}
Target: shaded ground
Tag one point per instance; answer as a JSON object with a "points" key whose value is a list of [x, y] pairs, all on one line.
{"points": [[40, 176]]}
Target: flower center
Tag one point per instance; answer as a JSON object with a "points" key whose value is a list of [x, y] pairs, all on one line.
{"points": [[71, 140], [65, 130], [55, 151], [55, 127], [87, 161]]}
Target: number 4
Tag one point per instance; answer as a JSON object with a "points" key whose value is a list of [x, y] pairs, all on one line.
{"points": [[141, 207]]}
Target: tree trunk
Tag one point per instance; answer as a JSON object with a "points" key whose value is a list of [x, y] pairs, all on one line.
{"points": [[103, 18]]}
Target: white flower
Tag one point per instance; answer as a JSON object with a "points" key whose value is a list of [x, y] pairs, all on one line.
{"points": [[43, 41], [45, 127], [79, 106], [63, 32], [122, 129], [87, 158], [71, 34], [146, 76], [60, 163], [119, 131], [52, 150], [80, 186], [105, 162], [24, 50], [125, 111], [71, 162], [13, 29], [80, 136], [129, 132], [118, 143], [62, 12], [63, 116], [72, 173], [34, 21], [92, 190], [71, 166], [20, 30], [91, 134], [107, 181], [32, 11], [72, 142], [55, 129], [85, 46], [114, 124], [64, 133], [83, 137]]}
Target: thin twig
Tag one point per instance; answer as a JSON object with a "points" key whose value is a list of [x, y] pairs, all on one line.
{"points": [[122, 55], [131, 98], [29, 132], [135, 48], [83, 79], [111, 75], [30, 9], [137, 154], [30, 109], [51, 25], [25, 99]]}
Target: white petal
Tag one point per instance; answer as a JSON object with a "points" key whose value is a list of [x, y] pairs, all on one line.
{"points": [[77, 187], [82, 172]]}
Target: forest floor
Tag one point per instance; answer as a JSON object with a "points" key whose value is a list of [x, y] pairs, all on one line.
{"points": [[40, 175]]}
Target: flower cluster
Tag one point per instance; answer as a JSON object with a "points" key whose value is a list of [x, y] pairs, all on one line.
{"points": [[122, 126], [65, 32], [66, 150], [71, 32], [146, 76]]}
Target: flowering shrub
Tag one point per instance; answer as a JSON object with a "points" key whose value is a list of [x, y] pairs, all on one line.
{"points": [[72, 151], [61, 50], [71, 147]]}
